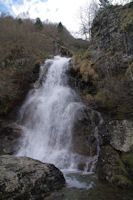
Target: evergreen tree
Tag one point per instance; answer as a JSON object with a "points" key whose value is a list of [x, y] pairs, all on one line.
{"points": [[38, 24], [104, 3], [60, 27], [20, 21]]}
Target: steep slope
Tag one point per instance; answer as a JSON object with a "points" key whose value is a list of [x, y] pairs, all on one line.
{"points": [[24, 47], [103, 75], [106, 68], [22, 50]]}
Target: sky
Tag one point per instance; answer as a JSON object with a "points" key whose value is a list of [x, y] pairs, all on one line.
{"points": [[66, 11]]}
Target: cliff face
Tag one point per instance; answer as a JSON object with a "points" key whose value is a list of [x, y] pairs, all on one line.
{"points": [[112, 39], [105, 71], [103, 76]]}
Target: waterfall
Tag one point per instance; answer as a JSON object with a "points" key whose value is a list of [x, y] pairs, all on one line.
{"points": [[47, 118], [96, 134], [48, 115]]}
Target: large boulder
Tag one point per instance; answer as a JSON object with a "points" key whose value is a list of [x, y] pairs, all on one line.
{"points": [[23, 178], [121, 135]]}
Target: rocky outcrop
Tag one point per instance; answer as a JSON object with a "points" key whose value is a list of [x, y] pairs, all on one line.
{"points": [[121, 135], [25, 178], [115, 161], [112, 169], [103, 77], [87, 126], [16, 80], [104, 73]]}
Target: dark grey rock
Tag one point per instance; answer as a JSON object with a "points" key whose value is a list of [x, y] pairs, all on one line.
{"points": [[23, 178]]}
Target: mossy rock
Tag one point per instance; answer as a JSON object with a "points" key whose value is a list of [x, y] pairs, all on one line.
{"points": [[121, 181], [112, 169], [127, 159]]}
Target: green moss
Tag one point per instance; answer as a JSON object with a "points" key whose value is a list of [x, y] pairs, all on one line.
{"points": [[117, 165], [121, 181], [120, 168], [115, 169], [105, 99], [127, 158], [117, 174]]}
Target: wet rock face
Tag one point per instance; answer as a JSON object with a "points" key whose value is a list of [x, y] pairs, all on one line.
{"points": [[87, 129], [25, 178], [84, 140]]}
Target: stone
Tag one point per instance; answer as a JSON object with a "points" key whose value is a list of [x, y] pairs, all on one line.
{"points": [[84, 139], [24, 178], [112, 169], [121, 135]]}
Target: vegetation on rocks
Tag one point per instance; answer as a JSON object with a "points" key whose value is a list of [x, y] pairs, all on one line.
{"points": [[112, 169], [24, 47], [103, 76], [109, 58]]}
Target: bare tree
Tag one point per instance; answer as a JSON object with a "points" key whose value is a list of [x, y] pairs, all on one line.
{"points": [[104, 3], [87, 15]]}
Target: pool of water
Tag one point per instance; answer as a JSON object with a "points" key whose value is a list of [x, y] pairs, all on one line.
{"points": [[82, 186]]}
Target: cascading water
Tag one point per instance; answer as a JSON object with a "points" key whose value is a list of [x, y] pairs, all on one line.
{"points": [[47, 118], [96, 134], [48, 115]]}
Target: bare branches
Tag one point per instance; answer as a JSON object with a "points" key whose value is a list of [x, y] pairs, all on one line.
{"points": [[87, 15]]}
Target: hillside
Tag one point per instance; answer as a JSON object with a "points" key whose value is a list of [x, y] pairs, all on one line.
{"points": [[24, 47]]}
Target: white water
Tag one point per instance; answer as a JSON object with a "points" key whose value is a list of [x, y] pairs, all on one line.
{"points": [[47, 118], [96, 134]]}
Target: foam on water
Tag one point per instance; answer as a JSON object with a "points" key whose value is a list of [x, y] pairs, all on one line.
{"points": [[48, 115], [47, 118]]}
